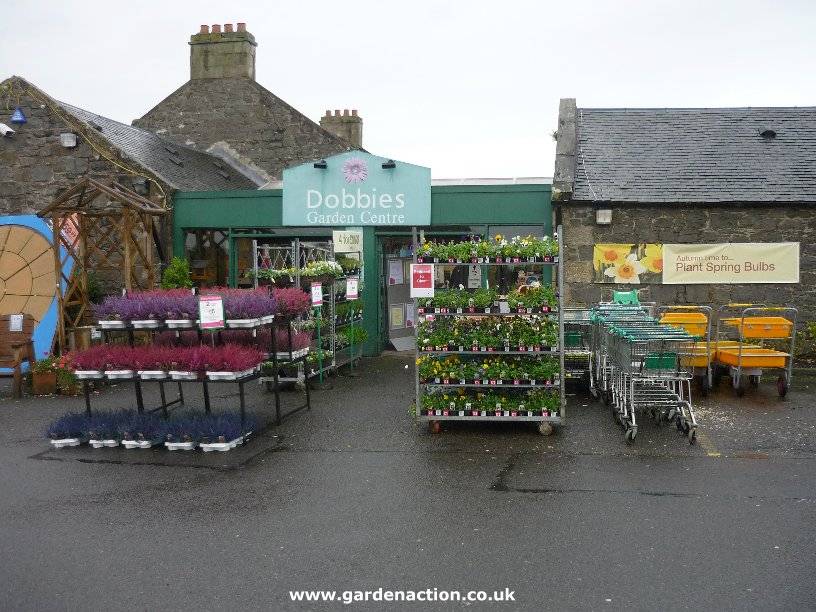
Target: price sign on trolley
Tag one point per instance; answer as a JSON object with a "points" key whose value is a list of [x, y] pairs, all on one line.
{"points": [[351, 288], [422, 280], [317, 294]]}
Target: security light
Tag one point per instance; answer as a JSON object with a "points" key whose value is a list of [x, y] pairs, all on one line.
{"points": [[389, 164], [321, 164]]}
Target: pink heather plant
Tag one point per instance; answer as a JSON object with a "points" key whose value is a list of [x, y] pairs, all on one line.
{"points": [[300, 340], [291, 302]]}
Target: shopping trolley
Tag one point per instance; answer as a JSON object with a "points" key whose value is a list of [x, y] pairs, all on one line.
{"points": [[648, 375]]}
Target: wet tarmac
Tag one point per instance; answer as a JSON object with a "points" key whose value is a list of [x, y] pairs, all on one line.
{"points": [[355, 494]]}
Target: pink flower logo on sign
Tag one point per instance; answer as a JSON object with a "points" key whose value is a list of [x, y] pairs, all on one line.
{"points": [[355, 170]]}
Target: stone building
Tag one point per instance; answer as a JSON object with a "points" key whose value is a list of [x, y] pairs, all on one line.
{"points": [[677, 175], [60, 143], [223, 108]]}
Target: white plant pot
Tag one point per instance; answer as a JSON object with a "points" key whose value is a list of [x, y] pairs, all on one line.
{"points": [[180, 445], [119, 374], [89, 374], [182, 375], [243, 323], [108, 443], [152, 374], [112, 324], [66, 442], [229, 375], [179, 323], [139, 444], [145, 324], [222, 446]]}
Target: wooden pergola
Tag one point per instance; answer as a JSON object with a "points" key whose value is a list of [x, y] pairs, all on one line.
{"points": [[103, 227]]}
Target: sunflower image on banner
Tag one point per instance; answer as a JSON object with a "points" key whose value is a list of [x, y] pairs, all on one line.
{"points": [[627, 264]]}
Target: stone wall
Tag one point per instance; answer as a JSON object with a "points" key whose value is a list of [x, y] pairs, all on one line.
{"points": [[693, 223], [35, 167]]}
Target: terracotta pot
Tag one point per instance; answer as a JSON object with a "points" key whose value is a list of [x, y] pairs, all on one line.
{"points": [[43, 383]]}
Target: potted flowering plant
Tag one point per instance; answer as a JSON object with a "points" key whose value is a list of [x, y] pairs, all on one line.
{"points": [[182, 433], [140, 431], [110, 312], [223, 432], [90, 363], [290, 302], [44, 376], [103, 430], [231, 362], [68, 430]]}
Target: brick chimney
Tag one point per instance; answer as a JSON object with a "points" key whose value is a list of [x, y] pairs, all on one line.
{"points": [[348, 126], [222, 52]]}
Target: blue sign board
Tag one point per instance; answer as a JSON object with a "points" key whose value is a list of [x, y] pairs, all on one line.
{"points": [[356, 188]]}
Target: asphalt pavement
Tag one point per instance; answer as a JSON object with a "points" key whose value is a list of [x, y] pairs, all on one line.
{"points": [[355, 495]]}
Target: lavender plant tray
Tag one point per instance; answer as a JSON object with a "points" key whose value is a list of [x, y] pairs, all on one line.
{"points": [[182, 375], [66, 442], [229, 375], [89, 374], [152, 374], [145, 324], [119, 374], [179, 323], [243, 323], [103, 443], [180, 445], [222, 446], [112, 324]]}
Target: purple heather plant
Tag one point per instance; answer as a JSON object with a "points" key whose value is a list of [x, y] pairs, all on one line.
{"points": [[71, 425]]}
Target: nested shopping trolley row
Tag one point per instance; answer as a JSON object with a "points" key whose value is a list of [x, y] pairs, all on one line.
{"points": [[640, 368]]}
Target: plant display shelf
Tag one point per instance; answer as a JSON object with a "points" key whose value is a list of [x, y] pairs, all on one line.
{"points": [[545, 417], [277, 363], [165, 405]]}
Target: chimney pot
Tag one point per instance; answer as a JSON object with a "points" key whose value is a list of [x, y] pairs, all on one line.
{"points": [[228, 27], [216, 28], [336, 113], [241, 26], [346, 112], [353, 112], [328, 113], [205, 29]]}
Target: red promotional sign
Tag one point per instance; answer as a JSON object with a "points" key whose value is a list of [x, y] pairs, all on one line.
{"points": [[422, 280]]}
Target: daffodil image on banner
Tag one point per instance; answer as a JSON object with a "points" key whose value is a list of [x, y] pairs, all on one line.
{"points": [[628, 264]]}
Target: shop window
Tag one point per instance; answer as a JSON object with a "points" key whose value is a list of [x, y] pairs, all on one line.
{"points": [[208, 254]]}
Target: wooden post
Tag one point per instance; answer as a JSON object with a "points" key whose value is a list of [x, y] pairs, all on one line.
{"points": [[56, 226], [128, 264]]}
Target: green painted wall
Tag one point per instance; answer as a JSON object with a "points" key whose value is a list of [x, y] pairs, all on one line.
{"points": [[451, 205]]}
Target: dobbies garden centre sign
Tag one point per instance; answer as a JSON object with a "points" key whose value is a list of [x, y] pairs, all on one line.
{"points": [[356, 188]]}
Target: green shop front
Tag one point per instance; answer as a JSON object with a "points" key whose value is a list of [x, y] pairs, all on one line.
{"points": [[349, 196]]}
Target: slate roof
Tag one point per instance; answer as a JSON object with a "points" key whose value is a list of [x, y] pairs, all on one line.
{"points": [[696, 155], [180, 167]]}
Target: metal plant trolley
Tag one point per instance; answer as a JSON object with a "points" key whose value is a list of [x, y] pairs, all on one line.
{"points": [[577, 343], [288, 359], [498, 311]]}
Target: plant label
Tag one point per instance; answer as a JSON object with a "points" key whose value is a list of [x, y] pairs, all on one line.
{"points": [[317, 294], [352, 284], [211, 311]]}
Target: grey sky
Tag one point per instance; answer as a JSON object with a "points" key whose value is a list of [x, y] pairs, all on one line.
{"points": [[469, 88]]}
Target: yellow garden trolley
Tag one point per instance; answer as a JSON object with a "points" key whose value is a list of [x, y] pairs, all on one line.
{"points": [[759, 338], [695, 356]]}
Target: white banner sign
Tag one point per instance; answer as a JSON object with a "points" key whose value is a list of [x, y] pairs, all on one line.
{"points": [[731, 263]]}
